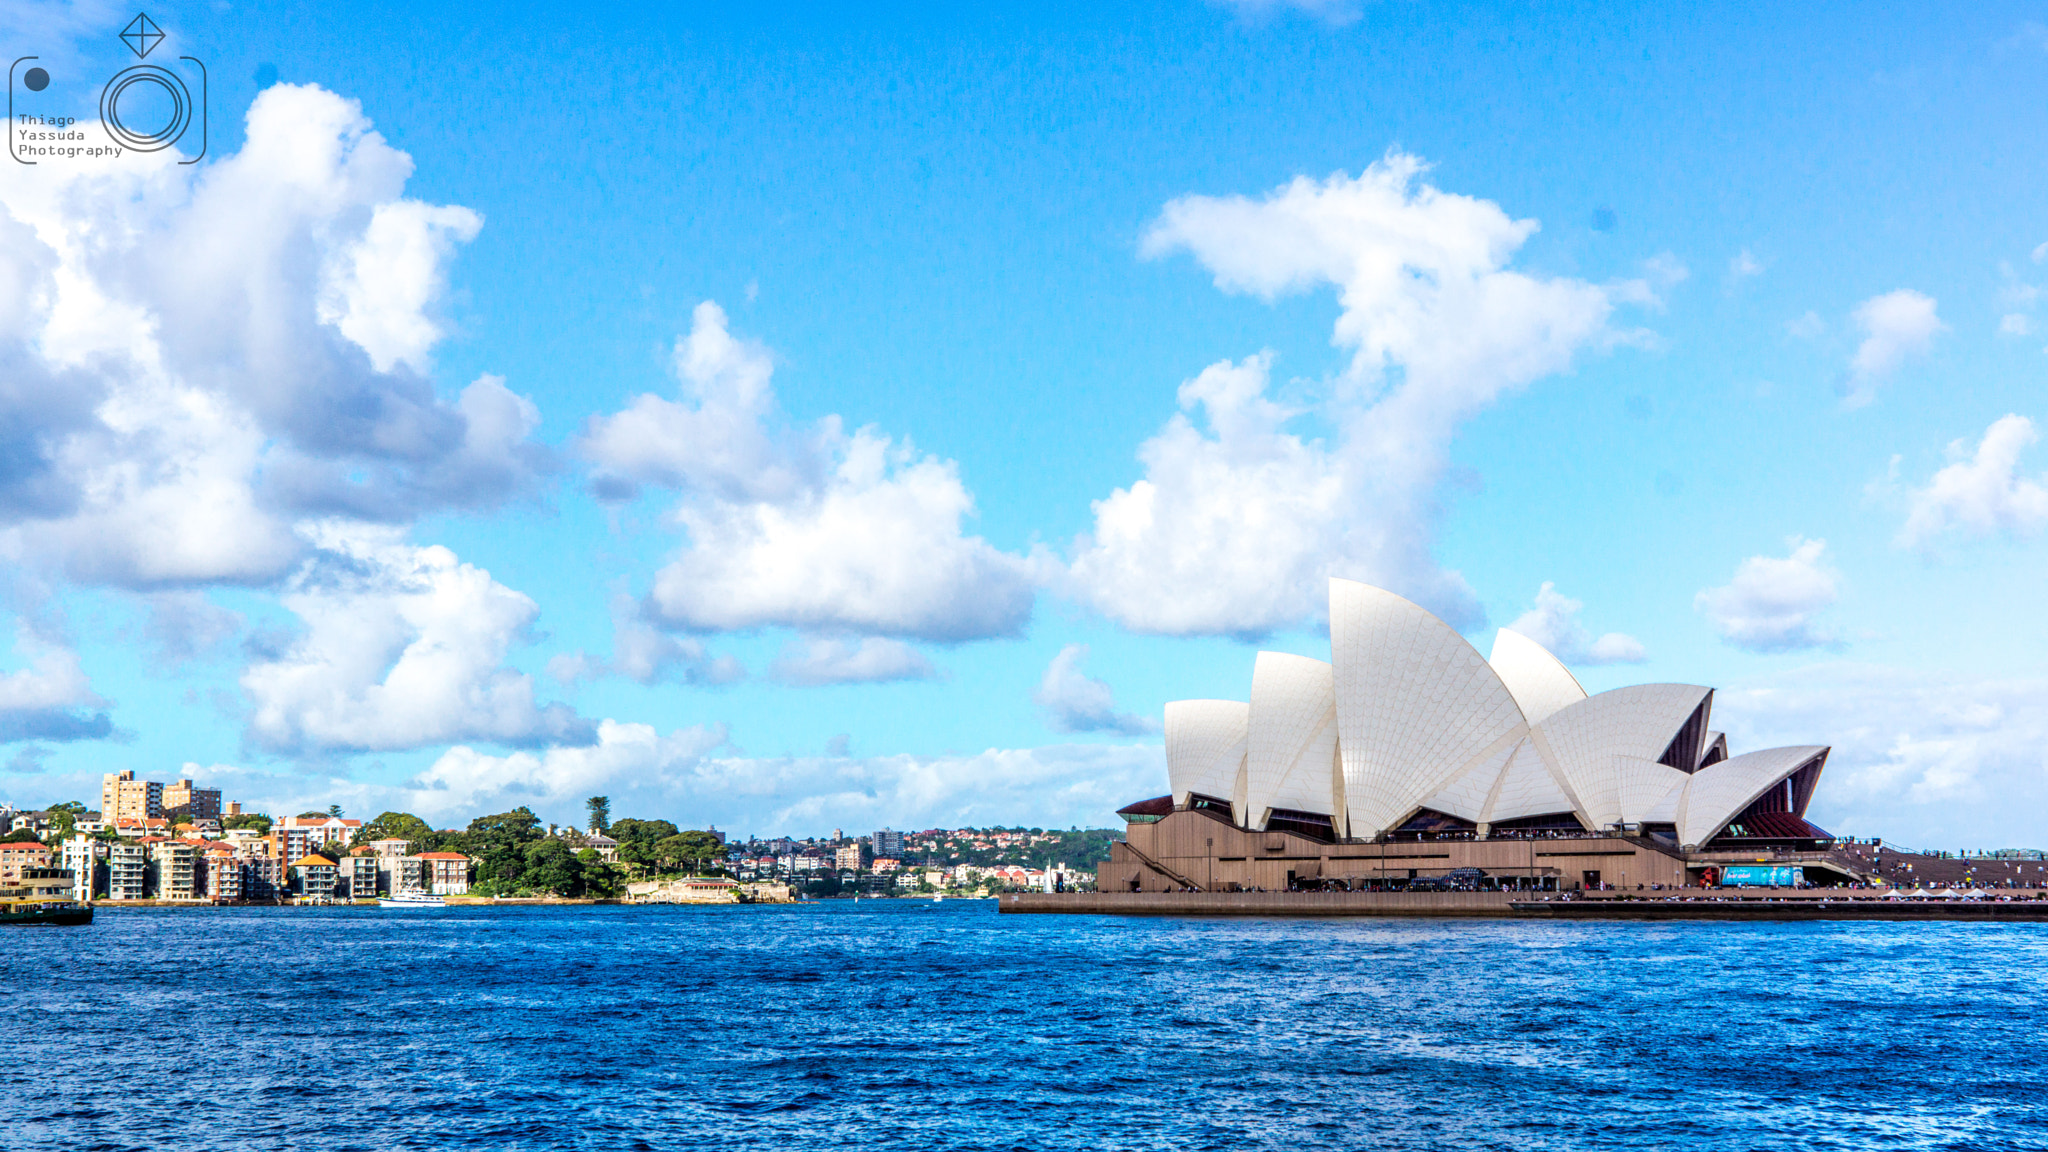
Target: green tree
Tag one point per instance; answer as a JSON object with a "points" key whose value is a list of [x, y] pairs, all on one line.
{"points": [[694, 851], [21, 836], [552, 866], [256, 820], [600, 812], [417, 833], [334, 810], [499, 842]]}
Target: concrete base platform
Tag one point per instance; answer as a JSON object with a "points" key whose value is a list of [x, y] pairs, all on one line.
{"points": [[1790, 906], [1262, 903]]}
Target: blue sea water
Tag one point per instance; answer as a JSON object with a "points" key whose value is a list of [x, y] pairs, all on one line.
{"points": [[911, 1025]]}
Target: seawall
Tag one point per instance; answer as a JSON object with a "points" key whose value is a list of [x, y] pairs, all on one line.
{"points": [[1809, 904], [1262, 903]]}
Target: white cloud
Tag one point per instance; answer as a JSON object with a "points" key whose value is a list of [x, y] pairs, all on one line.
{"points": [[1897, 326], [1928, 760], [404, 647], [820, 530], [816, 660], [196, 358], [1743, 265], [1771, 603], [51, 699], [648, 655], [1077, 702], [1807, 327], [1554, 623], [2015, 324], [1982, 492], [1233, 531]]}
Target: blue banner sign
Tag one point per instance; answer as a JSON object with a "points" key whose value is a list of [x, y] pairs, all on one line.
{"points": [[1771, 875]]}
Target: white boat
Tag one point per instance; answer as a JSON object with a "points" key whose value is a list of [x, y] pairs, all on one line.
{"points": [[411, 900]]}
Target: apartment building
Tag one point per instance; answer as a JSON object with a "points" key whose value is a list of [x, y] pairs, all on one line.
{"points": [[408, 874], [448, 873], [123, 797], [191, 801], [314, 877], [888, 843], [127, 870], [83, 856], [176, 865], [358, 876], [224, 875], [289, 842], [262, 878], [21, 854], [324, 831]]}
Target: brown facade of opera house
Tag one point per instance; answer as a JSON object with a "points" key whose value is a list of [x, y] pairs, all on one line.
{"points": [[1409, 762], [1198, 848]]}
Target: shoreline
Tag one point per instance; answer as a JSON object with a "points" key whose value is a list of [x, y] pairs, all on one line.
{"points": [[1806, 904]]}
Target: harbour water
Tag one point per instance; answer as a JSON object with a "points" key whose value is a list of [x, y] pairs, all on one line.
{"points": [[911, 1025]]}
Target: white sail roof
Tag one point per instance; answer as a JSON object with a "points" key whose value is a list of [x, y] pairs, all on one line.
{"points": [[1719, 792], [1528, 788], [1637, 723], [1540, 683], [1292, 748], [1417, 708], [1205, 747]]}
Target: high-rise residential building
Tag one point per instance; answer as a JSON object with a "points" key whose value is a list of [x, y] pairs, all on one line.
{"points": [[191, 801], [849, 858], [123, 797], [888, 843], [325, 831], [127, 868], [290, 843], [224, 875], [262, 877], [82, 855], [314, 877], [177, 870]]}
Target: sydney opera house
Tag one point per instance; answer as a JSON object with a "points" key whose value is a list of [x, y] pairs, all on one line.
{"points": [[1409, 760]]}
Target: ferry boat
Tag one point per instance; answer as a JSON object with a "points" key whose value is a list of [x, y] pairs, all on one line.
{"points": [[411, 900], [43, 897]]}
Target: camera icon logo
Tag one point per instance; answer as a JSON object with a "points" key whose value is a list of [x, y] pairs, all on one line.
{"points": [[144, 107]]}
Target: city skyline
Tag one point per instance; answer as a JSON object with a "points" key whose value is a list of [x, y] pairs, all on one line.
{"points": [[811, 419]]}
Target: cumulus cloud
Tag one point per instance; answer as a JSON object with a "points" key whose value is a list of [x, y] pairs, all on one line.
{"points": [[1742, 266], [1077, 702], [1928, 760], [1982, 492], [645, 654], [1554, 623], [51, 699], [1897, 326], [197, 358], [814, 528], [816, 660], [1232, 530], [1771, 603], [404, 647]]}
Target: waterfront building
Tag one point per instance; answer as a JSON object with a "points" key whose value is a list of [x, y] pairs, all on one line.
{"points": [[448, 873], [850, 858], [358, 874], [289, 842], [122, 796], [605, 847], [313, 877], [262, 877], [18, 854], [405, 874], [191, 801], [81, 857], [887, 843], [175, 867], [127, 870], [224, 874], [1339, 773]]}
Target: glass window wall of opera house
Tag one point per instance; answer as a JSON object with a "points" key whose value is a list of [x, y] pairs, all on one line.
{"points": [[1410, 761]]}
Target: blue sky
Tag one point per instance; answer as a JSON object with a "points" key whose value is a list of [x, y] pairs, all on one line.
{"points": [[746, 414]]}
